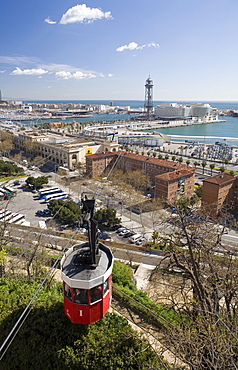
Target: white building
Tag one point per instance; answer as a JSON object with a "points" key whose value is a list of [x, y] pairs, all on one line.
{"points": [[179, 111]]}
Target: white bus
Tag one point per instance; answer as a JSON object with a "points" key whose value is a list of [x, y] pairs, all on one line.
{"points": [[47, 189], [44, 193], [56, 196]]}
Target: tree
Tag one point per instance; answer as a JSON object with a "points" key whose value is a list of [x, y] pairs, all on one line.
{"points": [[65, 210], [196, 164], [37, 182], [212, 166], [222, 169], [204, 163], [198, 191], [206, 337], [155, 236], [173, 158], [180, 160], [37, 160], [166, 157], [9, 168], [187, 162], [107, 215], [6, 146], [226, 161]]}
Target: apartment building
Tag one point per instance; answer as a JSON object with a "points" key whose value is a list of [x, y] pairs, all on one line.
{"points": [[171, 180], [219, 191], [172, 186]]}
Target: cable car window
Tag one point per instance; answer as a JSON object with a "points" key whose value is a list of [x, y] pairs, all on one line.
{"points": [[105, 287], [96, 294], [67, 292], [80, 296]]}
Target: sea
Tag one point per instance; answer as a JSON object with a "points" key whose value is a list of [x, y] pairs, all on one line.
{"points": [[224, 132]]}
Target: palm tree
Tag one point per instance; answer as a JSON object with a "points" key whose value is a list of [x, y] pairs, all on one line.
{"points": [[212, 166], [226, 161], [222, 169], [204, 163], [195, 164], [155, 236]]}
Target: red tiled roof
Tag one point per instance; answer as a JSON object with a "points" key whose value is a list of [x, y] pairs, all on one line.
{"points": [[221, 179], [143, 158], [101, 155], [174, 175]]}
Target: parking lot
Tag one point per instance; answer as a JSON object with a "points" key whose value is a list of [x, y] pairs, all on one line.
{"points": [[26, 202]]}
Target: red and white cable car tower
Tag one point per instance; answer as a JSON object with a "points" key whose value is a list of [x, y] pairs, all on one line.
{"points": [[86, 271]]}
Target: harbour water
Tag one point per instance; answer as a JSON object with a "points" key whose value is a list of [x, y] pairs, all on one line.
{"points": [[216, 131]]}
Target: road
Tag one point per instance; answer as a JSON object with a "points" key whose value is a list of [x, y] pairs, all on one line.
{"points": [[28, 203], [31, 236]]}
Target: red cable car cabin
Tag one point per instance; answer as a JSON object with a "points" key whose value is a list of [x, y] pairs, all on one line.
{"points": [[86, 271], [87, 289]]}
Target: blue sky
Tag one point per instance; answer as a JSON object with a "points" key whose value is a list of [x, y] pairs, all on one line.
{"points": [[105, 49]]}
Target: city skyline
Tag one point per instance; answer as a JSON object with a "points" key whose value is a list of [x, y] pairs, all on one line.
{"points": [[106, 50]]}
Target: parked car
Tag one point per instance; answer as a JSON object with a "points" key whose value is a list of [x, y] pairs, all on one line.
{"points": [[123, 232], [135, 238], [120, 230], [141, 241], [39, 213], [104, 236], [128, 234]]}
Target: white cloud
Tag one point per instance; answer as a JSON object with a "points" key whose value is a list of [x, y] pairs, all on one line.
{"points": [[130, 46], [49, 21], [36, 72], [83, 14], [78, 75], [63, 74], [2, 71], [153, 44], [18, 60], [134, 46]]}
